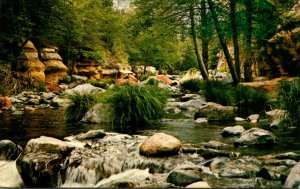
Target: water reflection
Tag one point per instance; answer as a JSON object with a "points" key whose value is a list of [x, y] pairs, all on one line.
{"points": [[50, 122]]}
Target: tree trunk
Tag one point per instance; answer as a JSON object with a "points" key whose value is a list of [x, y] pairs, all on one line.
{"points": [[235, 39], [204, 38], [222, 42], [248, 62], [199, 59]]}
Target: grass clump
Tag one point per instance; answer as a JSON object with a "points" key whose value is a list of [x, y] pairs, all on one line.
{"points": [[144, 77], [152, 82], [134, 104], [289, 98], [99, 84], [193, 85], [80, 104]]}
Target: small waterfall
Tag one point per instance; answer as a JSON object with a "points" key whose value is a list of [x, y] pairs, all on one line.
{"points": [[9, 175]]}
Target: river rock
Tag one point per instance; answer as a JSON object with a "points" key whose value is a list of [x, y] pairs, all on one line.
{"points": [[85, 88], [266, 174], [212, 153], [244, 167], [239, 119], [47, 144], [256, 136], [160, 144], [199, 184], [215, 145], [181, 177], [29, 108], [5, 102], [214, 111], [39, 169], [253, 118], [97, 114], [201, 121], [60, 102], [9, 150], [232, 131], [276, 117], [293, 179], [129, 178], [288, 155], [34, 101], [48, 96], [91, 134], [192, 103]]}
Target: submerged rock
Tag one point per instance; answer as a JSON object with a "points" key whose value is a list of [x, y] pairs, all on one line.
{"points": [[201, 121], [9, 150], [91, 134], [256, 136], [160, 144], [215, 145]]}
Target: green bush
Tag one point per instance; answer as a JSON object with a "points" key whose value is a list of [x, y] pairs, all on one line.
{"points": [[250, 101], [144, 77], [99, 84], [219, 92], [289, 98], [193, 85], [110, 81], [152, 82], [80, 104], [133, 104]]}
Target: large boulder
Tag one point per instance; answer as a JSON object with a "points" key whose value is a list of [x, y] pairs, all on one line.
{"points": [[282, 51], [256, 136], [54, 67], [214, 111], [49, 145], [160, 144], [9, 150], [41, 161], [40, 169], [293, 179], [31, 62], [85, 88]]}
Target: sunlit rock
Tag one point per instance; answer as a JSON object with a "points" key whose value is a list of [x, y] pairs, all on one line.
{"points": [[232, 131], [214, 111], [9, 150], [160, 144]]}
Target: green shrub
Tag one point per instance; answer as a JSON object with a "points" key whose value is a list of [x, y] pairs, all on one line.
{"points": [[289, 98], [41, 87], [110, 81], [152, 82], [193, 85], [144, 77], [250, 101], [133, 104], [80, 104], [219, 92], [99, 84]]}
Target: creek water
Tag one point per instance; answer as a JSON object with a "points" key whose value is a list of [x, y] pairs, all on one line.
{"points": [[20, 128]]}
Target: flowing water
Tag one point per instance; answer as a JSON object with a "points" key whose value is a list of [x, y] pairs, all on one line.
{"points": [[20, 128]]}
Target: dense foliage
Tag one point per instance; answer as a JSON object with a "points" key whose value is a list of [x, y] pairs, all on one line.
{"points": [[290, 100]]}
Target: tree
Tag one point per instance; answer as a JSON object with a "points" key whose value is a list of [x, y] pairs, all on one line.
{"points": [[222, 42], [248, 61], [235, 38], [201, 65]]}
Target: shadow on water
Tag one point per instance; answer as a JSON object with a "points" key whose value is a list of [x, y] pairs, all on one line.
{"points": [[50, 122]]}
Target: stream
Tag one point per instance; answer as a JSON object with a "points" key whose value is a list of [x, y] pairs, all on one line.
{"points": [[20, 128]]}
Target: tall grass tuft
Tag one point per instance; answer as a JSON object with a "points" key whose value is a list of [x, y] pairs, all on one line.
{"points": [[80, 104], [134, 104], [289, 98]]}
